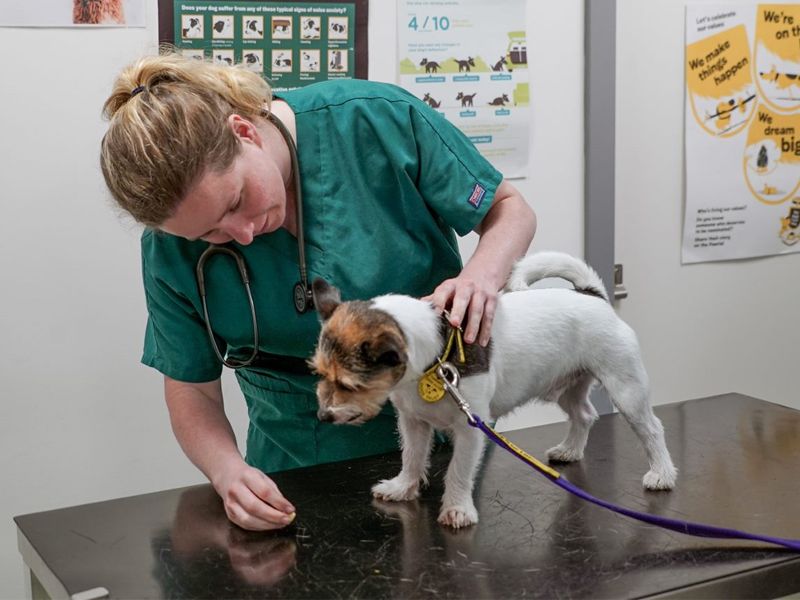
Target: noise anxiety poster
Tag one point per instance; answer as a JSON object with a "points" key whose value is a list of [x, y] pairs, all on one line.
{"points": [[742, 128], [469, 61]]}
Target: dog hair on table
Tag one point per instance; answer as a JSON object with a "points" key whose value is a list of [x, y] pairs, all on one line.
{"points": [[550, 344]]}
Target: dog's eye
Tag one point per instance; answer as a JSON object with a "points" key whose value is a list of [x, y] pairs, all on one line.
{"points": [[345, 387]]}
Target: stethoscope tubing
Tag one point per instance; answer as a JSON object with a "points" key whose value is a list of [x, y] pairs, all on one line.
{"points": [[303, 300]]}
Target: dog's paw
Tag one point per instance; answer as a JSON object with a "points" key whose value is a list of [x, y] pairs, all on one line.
{"points": [[458, 516], [654, 480], [564, 454], [395, 490]]}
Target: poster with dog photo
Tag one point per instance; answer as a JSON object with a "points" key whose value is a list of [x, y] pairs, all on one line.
{"points": [[742, 131], [469, 61], [72, 13]]}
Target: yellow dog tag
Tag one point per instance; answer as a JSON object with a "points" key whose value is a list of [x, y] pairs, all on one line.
{"points": [[431, 387]]}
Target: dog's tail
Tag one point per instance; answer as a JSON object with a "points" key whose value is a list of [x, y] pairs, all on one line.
{"points": [[534, 267]]}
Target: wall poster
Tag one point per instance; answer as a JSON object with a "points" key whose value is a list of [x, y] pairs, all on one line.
{"points": [[468, 59], [742, 130], [72, 13], [292, 44]]}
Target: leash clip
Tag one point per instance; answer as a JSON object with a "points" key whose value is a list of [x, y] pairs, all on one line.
{"points": [[450, 378]]}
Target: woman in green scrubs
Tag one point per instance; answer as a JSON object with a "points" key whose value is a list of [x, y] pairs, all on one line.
{"points": [[386, 184]]}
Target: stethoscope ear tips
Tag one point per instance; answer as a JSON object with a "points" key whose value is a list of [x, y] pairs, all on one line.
{"points": [[303, 298]]}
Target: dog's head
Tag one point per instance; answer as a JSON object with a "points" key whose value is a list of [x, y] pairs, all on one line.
{"points": [[361, 355]]}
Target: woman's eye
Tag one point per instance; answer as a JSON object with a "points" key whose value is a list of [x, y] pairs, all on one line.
{"points": [[235, 206]]}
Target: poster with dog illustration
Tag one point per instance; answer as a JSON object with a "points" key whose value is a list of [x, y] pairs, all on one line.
{"points": [[742, 131], [73, 13], [292, 44], [469, 61]]}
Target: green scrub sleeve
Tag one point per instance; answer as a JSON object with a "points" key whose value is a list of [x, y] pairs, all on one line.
{"points": [[457, 183], [176, 341]]}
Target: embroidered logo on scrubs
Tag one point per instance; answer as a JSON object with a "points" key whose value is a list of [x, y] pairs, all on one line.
{"points": [[478, 192]]}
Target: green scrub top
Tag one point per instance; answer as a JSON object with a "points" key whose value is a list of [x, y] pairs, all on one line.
{"points": [[386, 181]]}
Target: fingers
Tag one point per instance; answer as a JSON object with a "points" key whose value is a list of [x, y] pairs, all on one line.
{"points": [[470, 302], [255, 503], [440, 297]]}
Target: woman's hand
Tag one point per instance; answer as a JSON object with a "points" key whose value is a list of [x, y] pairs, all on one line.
{"points": [[505, 234], [472, 297], [251, 499]]}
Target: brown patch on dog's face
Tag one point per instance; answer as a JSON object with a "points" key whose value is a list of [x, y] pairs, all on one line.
{"points": [[361, 355]]}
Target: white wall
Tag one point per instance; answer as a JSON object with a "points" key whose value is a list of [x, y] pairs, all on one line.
{"points": [[707, 328], [82, 420]]}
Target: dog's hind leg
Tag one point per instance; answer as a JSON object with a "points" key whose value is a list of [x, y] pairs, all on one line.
{"points": [[416, 437], [582, 415], [629, 393], [458, 508]]}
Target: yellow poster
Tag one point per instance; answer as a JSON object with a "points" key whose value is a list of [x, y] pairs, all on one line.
{"points": [[721, 90], [742, 131]]}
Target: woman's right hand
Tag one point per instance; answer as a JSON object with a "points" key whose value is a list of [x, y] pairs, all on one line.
{"points": [[251, 499]]}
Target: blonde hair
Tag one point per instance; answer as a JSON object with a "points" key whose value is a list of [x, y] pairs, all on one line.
{"points": [[168, 125]]}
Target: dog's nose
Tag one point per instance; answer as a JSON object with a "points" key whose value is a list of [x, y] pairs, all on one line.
{"points": [[324, 415]]}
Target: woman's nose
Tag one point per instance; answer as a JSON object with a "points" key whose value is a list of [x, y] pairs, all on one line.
{"points": [[241, 231]]}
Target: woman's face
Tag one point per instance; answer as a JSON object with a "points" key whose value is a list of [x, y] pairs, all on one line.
{"points": [[241, 202]]}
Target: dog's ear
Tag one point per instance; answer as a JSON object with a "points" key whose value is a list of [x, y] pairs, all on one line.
{"points": [[326, 298], [387, 351]]}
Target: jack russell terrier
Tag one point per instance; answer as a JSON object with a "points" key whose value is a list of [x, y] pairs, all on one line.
{"points": [[550, 344]]}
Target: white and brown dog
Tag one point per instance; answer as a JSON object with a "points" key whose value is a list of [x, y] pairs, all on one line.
{"points": [[550, 344]]}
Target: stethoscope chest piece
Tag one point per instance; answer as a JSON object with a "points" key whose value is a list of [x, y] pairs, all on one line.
{"points": [[303, 299]]}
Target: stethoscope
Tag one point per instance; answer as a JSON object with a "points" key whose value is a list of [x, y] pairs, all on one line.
{"points": [[301, 292]]}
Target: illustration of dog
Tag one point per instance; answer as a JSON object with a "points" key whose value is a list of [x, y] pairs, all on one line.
{"points": [[431, 102], [501, 101], [336, 61], [253, 28], [310, 62], [251, 59], [784, 81], [549, 344], [310, 28], [464, 65], [281, 25], [466, 99], [96, 12], [431, 66], [224, 59], [500, 64], [193, 30], [337, 27]]}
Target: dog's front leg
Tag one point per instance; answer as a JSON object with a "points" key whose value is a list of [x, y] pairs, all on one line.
{"points": [[415, 437], [458, 508]]}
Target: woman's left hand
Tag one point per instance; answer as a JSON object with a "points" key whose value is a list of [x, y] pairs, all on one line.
{"points": [[470, 297], [505, 234]]}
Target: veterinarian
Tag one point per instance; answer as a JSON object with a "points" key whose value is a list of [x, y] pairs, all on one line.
{"points": [[202, 154]]}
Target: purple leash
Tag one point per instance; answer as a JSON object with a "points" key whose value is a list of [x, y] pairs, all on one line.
{"points": [[686, 527]]}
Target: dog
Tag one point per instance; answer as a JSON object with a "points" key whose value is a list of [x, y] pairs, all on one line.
{"points": [[466, 99], [431, 66], [433, 103], [551, 344], [96, 12]]}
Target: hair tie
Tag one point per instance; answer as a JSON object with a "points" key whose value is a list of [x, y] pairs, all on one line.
{"points": [[137, 89]]}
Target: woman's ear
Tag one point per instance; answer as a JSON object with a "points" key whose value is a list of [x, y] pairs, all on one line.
{"points": [[243, 129]]}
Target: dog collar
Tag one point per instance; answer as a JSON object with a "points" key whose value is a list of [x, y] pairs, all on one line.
{"points": [[430, 386]]}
